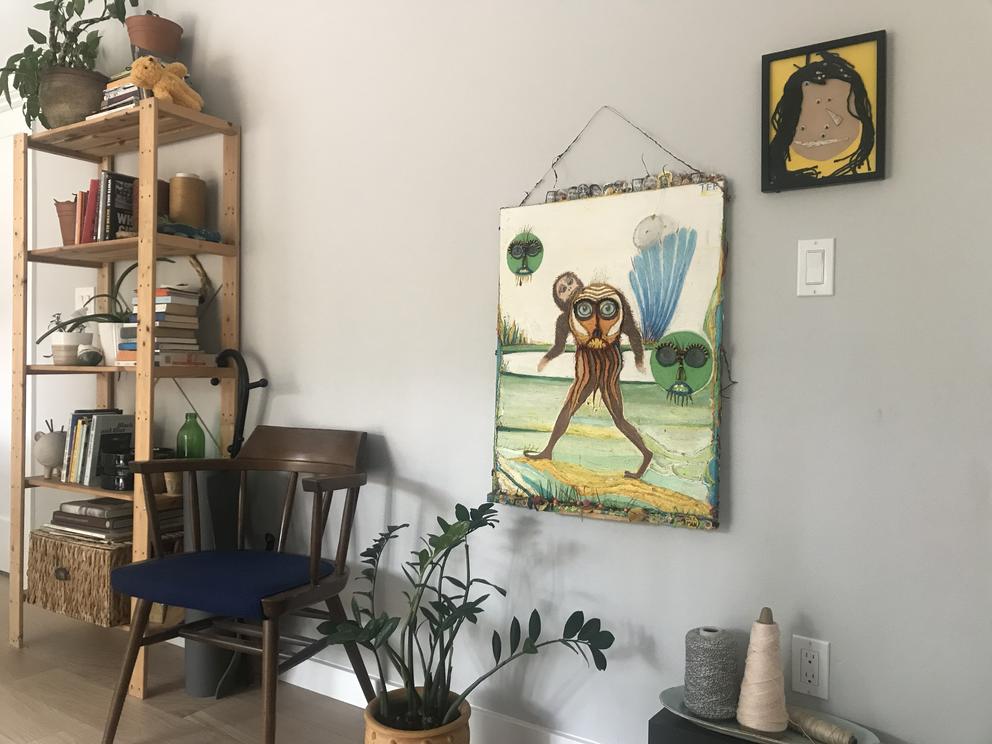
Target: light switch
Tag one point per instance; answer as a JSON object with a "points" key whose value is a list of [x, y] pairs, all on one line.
{"points": [[815, 268]]}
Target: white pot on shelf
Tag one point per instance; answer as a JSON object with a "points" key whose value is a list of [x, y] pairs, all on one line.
{"points": [[72, 338], [110, 337]]}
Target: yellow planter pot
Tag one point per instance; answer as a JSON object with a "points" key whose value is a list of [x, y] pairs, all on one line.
{"points": [[455, 732]]}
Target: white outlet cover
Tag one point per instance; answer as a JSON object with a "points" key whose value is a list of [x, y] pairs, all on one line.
{"points": [[822, 649], [815, 268], [82, 295]]}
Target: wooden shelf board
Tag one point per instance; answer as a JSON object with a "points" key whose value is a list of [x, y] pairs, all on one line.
{"points": [[163, 372], [118, 132], [126, 249], [37, 481]]}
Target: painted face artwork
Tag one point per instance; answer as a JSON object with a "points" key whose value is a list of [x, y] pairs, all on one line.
{"points": [[682, 364], [524, 254], [826, 125], [597, 316]]}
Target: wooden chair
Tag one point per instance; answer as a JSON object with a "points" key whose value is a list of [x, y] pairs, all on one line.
{"points": [[248, 592]]}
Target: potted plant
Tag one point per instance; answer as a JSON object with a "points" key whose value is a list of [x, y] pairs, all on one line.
{"points": [[109, 323], [437, 605], [154, 34], [54, 76]]}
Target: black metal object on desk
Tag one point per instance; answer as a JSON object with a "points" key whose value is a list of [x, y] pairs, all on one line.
{"points": [[667, 728]]}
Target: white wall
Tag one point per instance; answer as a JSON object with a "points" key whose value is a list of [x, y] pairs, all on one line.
{"points": [[380, 141]]}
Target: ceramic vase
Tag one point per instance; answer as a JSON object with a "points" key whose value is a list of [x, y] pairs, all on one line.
{"points": [[49, 447]]}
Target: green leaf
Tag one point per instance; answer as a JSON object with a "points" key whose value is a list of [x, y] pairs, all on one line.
{"points": [[602, 640], [443, 524], [534, 626], [37, 36], [44, 6], [461, 513], [589, 630], [79, 6], [574, 624], [497, 646], [499, 589], [514, 635], [119, 10], [599, 658], [456, 582], [382, 637], [529, 647]]}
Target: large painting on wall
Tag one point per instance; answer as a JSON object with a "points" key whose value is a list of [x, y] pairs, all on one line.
{"points": [[823, 110], [609, 332]]}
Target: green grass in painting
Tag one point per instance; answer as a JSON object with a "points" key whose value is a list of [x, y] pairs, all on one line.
{"points": [[509, 333]]}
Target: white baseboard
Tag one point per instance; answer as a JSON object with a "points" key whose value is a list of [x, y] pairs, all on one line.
{"points": [[488, 727]]}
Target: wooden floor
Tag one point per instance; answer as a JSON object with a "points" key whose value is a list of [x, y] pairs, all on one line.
{"points": [[56, 690]]}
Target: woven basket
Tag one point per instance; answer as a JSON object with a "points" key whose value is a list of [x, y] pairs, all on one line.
{"points": [[72, 577]]}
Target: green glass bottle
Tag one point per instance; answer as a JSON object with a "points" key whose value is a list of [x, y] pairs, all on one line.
{"points": [[190, 440]]}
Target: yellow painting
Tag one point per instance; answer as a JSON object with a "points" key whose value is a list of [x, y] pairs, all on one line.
{"points": [[824, 113]]}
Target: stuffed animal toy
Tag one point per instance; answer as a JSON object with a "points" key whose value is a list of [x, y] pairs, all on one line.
{"points": [[165, 82]]}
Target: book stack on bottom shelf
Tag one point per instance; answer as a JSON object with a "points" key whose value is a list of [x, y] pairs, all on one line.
{"points": [[176, 327], [71, 558]]}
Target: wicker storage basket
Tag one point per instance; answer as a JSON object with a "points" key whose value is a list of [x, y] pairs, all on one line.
{"points": [[72, 577]]}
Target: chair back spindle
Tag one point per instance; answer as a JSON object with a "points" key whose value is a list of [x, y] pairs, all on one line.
{"points": [[347, 519], [242, 509], [151, 512], [194, 505], [287, 512]]}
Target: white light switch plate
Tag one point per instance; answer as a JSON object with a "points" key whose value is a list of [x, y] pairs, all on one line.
{"points": [[815, 268]]}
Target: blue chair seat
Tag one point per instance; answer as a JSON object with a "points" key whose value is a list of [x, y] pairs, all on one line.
{"points": [[221, 582]]}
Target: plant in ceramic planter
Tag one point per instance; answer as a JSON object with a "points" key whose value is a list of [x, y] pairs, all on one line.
{"points": [[438, 604], [54, 76]]}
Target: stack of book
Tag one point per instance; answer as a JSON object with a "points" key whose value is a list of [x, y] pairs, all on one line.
{"points": [[176, 325], [92, 433], [119, 93], [110, 519], [107, 209]]}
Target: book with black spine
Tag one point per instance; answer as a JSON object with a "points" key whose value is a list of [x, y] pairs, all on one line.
{"points": [[119, 214], [105, 507]]}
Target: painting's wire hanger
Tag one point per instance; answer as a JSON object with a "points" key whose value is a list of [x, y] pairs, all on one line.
{"points": [[601, 109]]}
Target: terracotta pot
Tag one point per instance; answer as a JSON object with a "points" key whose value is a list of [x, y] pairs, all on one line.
{"points": [[66, 210], [154, 34], [68, 95], [455, 732]]}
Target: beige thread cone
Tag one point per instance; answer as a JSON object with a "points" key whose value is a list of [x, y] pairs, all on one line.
{"points": [[762, 701]]}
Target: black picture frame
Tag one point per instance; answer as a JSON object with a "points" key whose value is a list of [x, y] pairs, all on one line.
{"points": [[775, 175]]}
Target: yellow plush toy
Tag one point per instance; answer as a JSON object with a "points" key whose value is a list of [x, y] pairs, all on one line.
{"points": [[165, 82]]}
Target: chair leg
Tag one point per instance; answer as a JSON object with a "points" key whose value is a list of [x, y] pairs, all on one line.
{"points": [[138, 624], [270, 678], [336, 610]]}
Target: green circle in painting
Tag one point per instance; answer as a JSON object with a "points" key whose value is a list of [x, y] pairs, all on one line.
{"points": [[525, 253], [682, 363]]}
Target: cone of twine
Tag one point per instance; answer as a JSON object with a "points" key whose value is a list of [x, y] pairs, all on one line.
{"points": [[762, 701]]}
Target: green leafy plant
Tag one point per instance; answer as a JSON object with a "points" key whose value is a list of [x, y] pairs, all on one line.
{"points": [[119, 311], [68, 43], [438, 604]]}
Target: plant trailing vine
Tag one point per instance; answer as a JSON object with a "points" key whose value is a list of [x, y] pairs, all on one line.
{"points": [[69, 43], [438, 604]]}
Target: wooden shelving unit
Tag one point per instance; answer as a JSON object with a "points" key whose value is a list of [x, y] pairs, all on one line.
{"points": [[143, 129]]}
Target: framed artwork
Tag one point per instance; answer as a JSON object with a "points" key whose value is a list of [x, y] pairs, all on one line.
{"points": [[823, 114], [608, 333]]}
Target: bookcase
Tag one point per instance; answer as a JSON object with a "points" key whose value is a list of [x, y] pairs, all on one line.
{"points": [[142, 129]]}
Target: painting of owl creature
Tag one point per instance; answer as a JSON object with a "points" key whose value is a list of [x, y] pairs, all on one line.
{"points": [[597, 316]]}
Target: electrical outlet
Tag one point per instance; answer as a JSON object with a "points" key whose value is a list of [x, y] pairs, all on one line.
{"points": [[810, 666], [82, 296]]}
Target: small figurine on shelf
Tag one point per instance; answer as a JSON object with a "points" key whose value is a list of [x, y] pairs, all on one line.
{"points": [[165, 82], [190, 441], [48, 450]]}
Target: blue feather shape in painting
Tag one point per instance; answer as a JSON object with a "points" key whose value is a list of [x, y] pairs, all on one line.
{"points": [[658, 276]]}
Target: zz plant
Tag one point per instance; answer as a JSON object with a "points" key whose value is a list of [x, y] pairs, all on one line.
{"points": [[71, 41], [420, 643]]}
